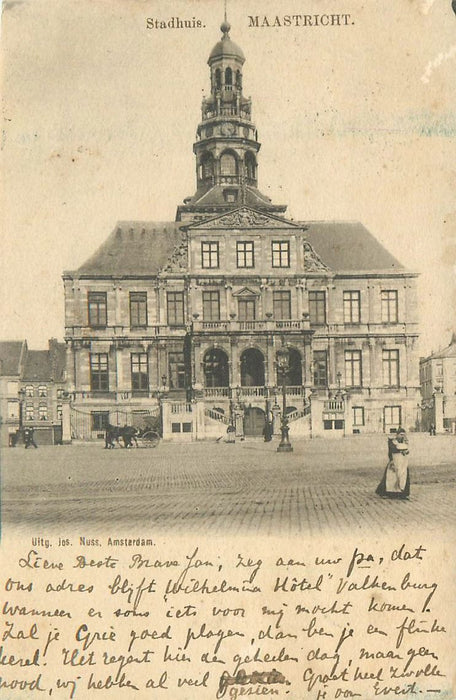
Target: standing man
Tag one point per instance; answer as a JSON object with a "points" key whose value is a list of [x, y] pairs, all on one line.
{"points": [[28, 438]]}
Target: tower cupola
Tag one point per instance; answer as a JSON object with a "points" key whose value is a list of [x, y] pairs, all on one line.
{"points": [[226, 145]]}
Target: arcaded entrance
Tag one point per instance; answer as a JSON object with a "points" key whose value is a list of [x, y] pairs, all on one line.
{"points": [[252, 368], [254, 419]]}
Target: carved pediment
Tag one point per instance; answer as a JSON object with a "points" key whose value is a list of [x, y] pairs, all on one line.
{"points": [[312, 261], [245, 217], [245, 292]]}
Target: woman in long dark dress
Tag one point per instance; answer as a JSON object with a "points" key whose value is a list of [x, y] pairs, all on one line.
{"points": [[396, 478]]}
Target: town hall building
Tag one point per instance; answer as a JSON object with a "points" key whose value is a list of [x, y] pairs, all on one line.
{"points": [[185, 319]]}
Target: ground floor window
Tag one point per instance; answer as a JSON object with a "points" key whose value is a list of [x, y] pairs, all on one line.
{"points": [[330, 424], [100, 420], [392, 416], [176, 366], [358, 415]]}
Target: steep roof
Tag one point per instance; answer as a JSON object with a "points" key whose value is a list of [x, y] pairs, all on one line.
{"points": [[449, 351], [37, 366], [45, 365], [10, 356], [143, 248], [349, 246], [133, 248]]}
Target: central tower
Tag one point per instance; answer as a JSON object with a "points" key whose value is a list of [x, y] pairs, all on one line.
{"points": [[227, 142]]}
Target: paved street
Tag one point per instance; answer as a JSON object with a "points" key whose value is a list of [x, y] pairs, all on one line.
{"points": [[217, 488]]}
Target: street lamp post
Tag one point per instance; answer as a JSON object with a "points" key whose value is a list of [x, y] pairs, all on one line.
{"points": [[283, 364]]}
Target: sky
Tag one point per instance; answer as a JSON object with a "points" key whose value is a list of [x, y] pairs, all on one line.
{"points": [[357, 122]]}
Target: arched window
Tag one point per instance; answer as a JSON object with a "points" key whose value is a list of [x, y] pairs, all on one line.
{"points": [[216, 368], [207, 167], [252, 368], [228, 164], [293, 375], [250, 166], [228, 77], [218, 79]]}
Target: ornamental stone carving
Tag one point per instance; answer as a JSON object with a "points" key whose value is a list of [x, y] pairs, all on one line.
{"points": [[312, 261]]}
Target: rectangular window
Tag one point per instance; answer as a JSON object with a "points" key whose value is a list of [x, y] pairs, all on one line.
{"points": [[60, 393], [245, 254], [390, 363], [59, 411], [358, 416], [186, 427], [97, 304], [139, 372], [175, 305], [138, 309], [100, 420], [176, 366], [29, 412], [175, 427], [317, 308], [353, 368], [281, 304], [280, 253], [209, 254], [352, 307], [320, 369], [29, 390], [389, 306], [211, 306], [13, 410], [391, 418], [42, 411], [42, 391], [246, 309], [99, 377]]}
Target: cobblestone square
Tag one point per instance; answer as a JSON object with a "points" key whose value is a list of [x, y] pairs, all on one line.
{"points": [[228, 489]]}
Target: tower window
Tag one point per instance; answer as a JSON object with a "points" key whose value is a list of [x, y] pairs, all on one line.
{"points": [[238, 79], [228, 164], [228, 78], [250, 166], [218, 79], [230, 195], [207, 167]]}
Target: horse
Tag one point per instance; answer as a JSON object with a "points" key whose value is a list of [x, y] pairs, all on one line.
{"points": [[115, 432]]}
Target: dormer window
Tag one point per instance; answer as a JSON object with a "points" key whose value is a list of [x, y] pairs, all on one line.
{"points": [[230, 196]]}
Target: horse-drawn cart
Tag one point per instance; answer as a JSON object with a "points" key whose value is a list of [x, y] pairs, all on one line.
{"points": [[144, 432]]}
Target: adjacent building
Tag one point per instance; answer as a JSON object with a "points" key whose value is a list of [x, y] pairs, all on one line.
{"points": [[186, 317], [12, 360], [438, 389], [32, 388]]}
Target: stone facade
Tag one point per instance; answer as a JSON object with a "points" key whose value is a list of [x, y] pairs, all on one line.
{"points": [[438, 389], [186, 318]]}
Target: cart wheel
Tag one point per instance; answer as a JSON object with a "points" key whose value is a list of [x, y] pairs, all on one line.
{"points": [[151, 439]]}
